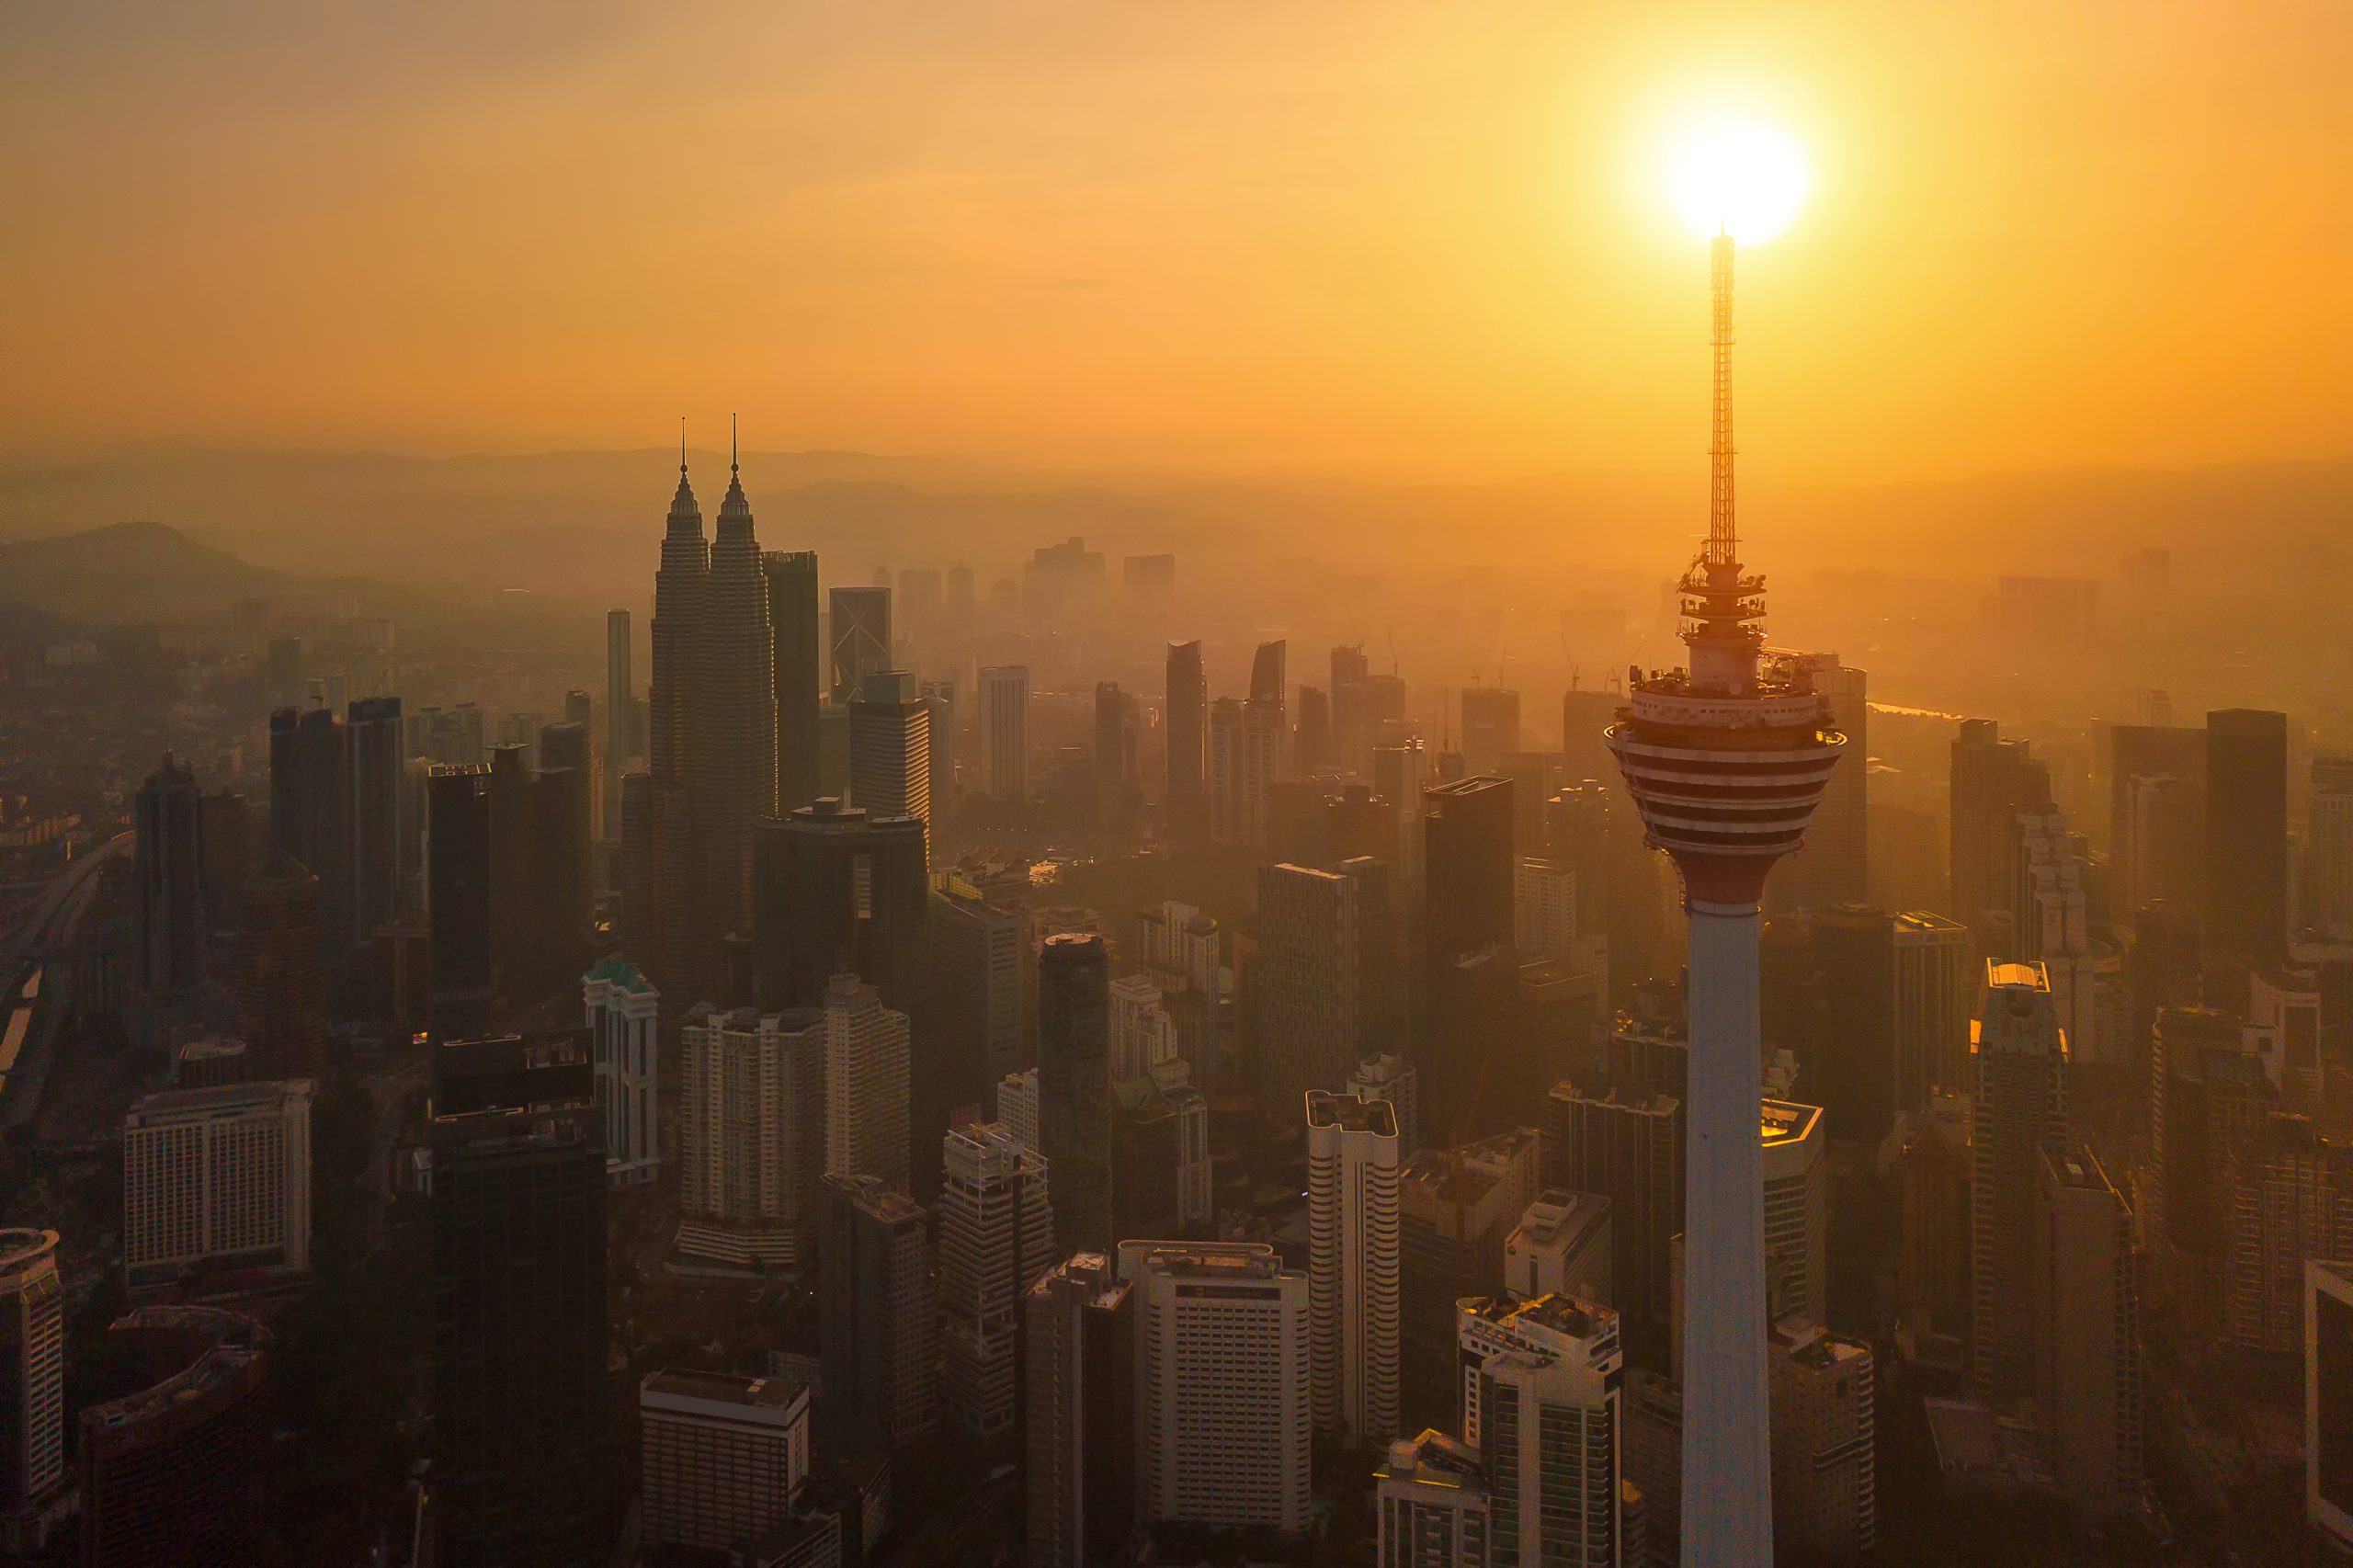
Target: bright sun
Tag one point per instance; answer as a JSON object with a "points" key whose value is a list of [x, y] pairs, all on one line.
{"points": [[1738, 177]]}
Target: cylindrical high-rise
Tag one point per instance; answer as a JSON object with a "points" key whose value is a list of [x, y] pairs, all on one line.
{"points": [[1726, 762]]}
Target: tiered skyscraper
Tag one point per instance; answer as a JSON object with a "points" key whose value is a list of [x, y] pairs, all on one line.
{"points": [[1726, 765]]}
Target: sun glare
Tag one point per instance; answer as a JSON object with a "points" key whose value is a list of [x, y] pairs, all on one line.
{"points": [[1740, 178]]}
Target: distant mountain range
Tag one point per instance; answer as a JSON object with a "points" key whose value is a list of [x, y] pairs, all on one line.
{"points": [[126, 573]]}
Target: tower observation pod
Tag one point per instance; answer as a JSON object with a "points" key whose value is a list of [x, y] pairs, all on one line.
{"points": [[1726, 761]]}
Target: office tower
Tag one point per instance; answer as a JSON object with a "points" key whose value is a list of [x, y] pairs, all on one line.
{"points": [[1541, 1400], [1993, 781], [1005, 731], [1490, 727], [283, 672], [1320, 980], [2089, 1353], [516, 924], [939, 701], [1835, 866], [522, 1454], [2159, 840], [1223, 1419], [969, 1035], [1471, 1081], [733, 754], [1160, 1167], [1246, 758], [1352, 1169], [2246, 838], [32, 1376], [1143, 1035], [1311, 744], [1431, 1505], [310, 810], [1766, 753], [2284, 1011], [2208, 1092], [281, 977], [867, 1086], [167, 1472], [562, 871], [225, 854], [1074, 1087], [1561, 1246], [1932, 1284], [2292, 1193], [1456, 1209], [839, 891], [217, 1177], [458, 901], [680, 588], [620, 706], [1079, 1365], [2328, 1400], [797, 671], [2155, 754], [721, 1457], [1651, 1430], [1185, 719], [1269, 679], [378, 813], [890, 747], [1352, 709], [2324, 897], [1797, 1207], [1825, 1494], [2020, 1103], [2053, 927], [996, 1236], [1118, 757], [172, 919], [1850, 1065], [1388, 1076], [877, 1318], [1931, 1006], [751, 1125], [859, 620], [1544, 909], [1628, 1146], [624, 1030]]}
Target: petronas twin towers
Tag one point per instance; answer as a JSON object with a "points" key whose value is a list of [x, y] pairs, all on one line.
{"points": [[713, 746]]}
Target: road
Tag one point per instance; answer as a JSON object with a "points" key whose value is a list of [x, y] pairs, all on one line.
{"points": [[47, 935]]}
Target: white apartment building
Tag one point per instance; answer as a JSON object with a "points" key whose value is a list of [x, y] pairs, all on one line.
{"points": [[1353, 1163], [625, 1032], [217, 1175], [751, 1136]]}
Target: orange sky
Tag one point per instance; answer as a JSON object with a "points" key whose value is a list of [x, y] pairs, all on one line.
{"points": [[1407, 236]]}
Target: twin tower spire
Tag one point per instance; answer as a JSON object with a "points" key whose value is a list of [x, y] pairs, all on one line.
{"points": [[735, 507]]}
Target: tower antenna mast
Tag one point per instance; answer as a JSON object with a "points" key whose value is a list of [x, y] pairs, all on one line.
{"points": [[1723, 540]]}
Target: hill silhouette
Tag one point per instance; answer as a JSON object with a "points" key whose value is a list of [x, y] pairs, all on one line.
{"points": [[128, 572]]}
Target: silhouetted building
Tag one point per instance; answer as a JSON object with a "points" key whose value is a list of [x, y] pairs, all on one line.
{"points": [[1186, 720], [310, 810], [2088, 1322], [840, 890], [721, 1458], [1118, 755], [1005, 731], [1850, 1066], [1472, 971], [2020, 1103], [172, 1475], [890, 748], [281, 974], [1321, 980], [1456, 1209], [459, 902], [877, 1318], [32, 1387], [2246, 911], [174, 923], [1074, 1087], [996, 1236], [1628, 1147], [751, 1122], [1993, 781], [382, 823], [1080, 1367], [797, 672], [861, 624], [620, 721], [1490, 727]]}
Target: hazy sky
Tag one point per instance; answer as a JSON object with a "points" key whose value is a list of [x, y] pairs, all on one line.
{"points": [[1425, 236]]}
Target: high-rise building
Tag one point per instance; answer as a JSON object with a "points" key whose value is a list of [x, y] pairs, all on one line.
{"points": [[1074, 1087], [668, 850], [281, 976], [1456, 1210], [1932, 1002], [1540, 1399], [1388, 1076], [1352, 1168], [1932, 1282], [720, 1458], [1849, 1064], [624, 1029], [1005, 731], [1825, 1492], [996, 1236], [1245, 760], [1797, 1207], [1222, 1418], [522, 1460], [1560, 1247], [1161, 1166], [1628, 1146], [733, 754], [2087, 1306], [310, 809], [969, 1035], [1652, 1450], [1185, 719], [282, 672], [1079, 1362], [173, 920], [1490, 727], [167, 1472], [1472, 1081], [751, 1125], [859, 619], [890, 747], [2324, 895], [2329, 1399], [939, 700], [217, 1177], [797, 671], [867, 1059], [1017, 1107], [1432, 1505], [2051, 926], [1352, 709], [840, 890], [1143, 1035], [1319, 982], [1993, 781], [561, 901], [2246, 846], [2020, 1103], [32, 1382], [1544, 908], [1118, 754], [1767, 750], [458, 1005], [621, 713], [382, 823], [2292, 1194], [2157, 782], [877, 1319], [2208, 1092]]}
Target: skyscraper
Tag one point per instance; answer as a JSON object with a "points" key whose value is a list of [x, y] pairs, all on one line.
{"points": [[2292, 1194], [890, 748], [877, 1327], [458, 901], [1118, 763], [1932, 1004], [2087, 1320], [839, 891], [167, 1471], [1765, 753], [2325, 896], [523, 1461], [1269, 678], [751, 1123], [1456, 1210], [1320, 980], [996, 1236], [1352, 1168], [867, 1065], [1825, 1491], [733, 709], [281, 974], [2329, 1399], [1222, 1418], [861, 620], [675, 961], [381, 820], [2020, 1103], [32, 1378], [1005, 731], [1186, 720], [1074, 1087], [1471, 969], [172, 917], [624, 1021], [1080, 1367], [797, 672], [216, 1177], [1628, 1146], [1993, 781], [1851, 1061], [2246, 846], [1541, 1399], [310, 810], [970, 1033], [620, 714], [939, 700], [1490, 727]]}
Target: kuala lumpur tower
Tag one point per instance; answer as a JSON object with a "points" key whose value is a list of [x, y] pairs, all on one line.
{"points": [[1726, 763]]}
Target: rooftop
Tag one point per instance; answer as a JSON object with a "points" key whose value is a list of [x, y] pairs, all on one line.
{"points": [[726, 1387], [1351, 1114], [220, 1099], [1787, 1123]]}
